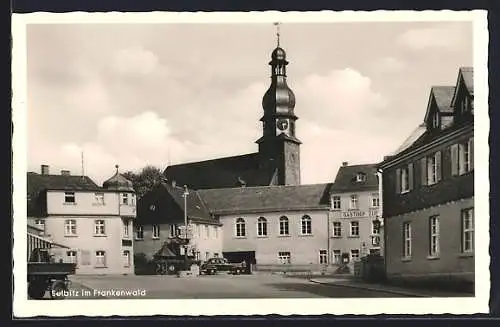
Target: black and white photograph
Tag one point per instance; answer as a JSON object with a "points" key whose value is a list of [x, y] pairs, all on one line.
{"points": [[293, 160]]}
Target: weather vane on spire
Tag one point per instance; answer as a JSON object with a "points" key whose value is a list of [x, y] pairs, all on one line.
{"points": [[277, 24]]}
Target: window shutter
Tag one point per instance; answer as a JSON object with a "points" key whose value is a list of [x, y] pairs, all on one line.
{"points": [[398, 180], [454, 160], [438, 166], [410, 176], [423, 171], [471, 153]]}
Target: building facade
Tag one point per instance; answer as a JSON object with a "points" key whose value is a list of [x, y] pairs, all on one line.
{"points": [[354, 224], [94, 223], [428, 191], [161, 219]]}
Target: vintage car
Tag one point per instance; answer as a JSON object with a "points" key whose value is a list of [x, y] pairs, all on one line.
{"points": [[215, 265]]}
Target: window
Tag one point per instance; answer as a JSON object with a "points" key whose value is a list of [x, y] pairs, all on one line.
{"points": [[240, 227], [465, 105], [216, 232], [354, 254], [404, 179], [99, 198], [207, 231], [126, 258], [306, 227], [337, 229], [337, 258], [156, 232], [336, 202], [132, 199], [435, 120], [360, 177], [434, 236], [40, 223], [375, 228], [431, 169], [284, 257], [100, 259], [124, 198], [375, 200], [406, 240], [284, 230], [354, 229], [99, 227], [354, 202], [69, 197], [139, 233], [126, 224], [323, 257], [462, 157], [174, 231], [70, 227], [468, 230], [262, 226], [71, 257]]}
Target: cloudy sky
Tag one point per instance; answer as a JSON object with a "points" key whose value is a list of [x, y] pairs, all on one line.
{"points": [[142, 94]]}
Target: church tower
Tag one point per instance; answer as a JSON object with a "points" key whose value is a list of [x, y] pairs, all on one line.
{"points": [[278, 145]]}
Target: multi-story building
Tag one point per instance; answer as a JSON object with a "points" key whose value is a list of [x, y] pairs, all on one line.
{"points": [[161, 219], [428, 191], [355, 226], [94, 223], [272, 225]]}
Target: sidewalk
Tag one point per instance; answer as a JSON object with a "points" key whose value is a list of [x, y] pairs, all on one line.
{"points": [[378, 287]]}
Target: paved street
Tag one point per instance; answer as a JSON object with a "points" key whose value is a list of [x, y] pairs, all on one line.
{"points": [[220, 286]]}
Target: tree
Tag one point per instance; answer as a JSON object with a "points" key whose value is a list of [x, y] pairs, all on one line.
{"points": [[145, 180]]}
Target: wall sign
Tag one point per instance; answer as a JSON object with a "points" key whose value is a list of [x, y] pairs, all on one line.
{"points": [[353, 214]]}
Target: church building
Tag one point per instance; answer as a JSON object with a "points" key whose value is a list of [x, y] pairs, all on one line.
{"points": [[277, 161], [251, 207]]}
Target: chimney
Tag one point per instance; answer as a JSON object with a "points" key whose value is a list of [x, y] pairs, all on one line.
{"points": [[387, 157], [65, 172], [174, 183], [344, 163], [45, 169]]}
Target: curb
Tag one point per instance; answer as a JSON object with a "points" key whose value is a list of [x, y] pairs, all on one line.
{"points": [[374, 289]]}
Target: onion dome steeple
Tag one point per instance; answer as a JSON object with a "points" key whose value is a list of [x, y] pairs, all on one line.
{"points": [[279, 100], [118, 182]]}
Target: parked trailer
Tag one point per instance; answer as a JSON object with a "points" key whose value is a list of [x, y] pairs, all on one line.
{"points": [[45, 275]]}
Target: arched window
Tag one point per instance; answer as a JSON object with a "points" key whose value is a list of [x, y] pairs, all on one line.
{"points": [[306, 225], [262, 226], [240, 227], [284, 230]]}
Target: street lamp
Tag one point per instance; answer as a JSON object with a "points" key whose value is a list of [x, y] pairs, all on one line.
{"points": [[185, 195]]}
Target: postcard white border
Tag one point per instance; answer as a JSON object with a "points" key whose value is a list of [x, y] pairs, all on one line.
{"points": [[29, 308]]}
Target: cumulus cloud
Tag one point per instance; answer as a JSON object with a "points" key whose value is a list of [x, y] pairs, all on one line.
{"points": [[341, 99], [441, 37]]}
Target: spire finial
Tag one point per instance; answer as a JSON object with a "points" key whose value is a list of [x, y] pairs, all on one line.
{"points": [[277, 24], [116, 166]]}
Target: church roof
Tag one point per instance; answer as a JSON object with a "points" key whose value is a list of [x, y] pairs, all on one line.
{"points": [[222, 173], [346, 179], [266, 198]]}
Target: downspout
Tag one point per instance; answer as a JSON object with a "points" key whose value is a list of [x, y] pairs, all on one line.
{"points": [[381, 213]]}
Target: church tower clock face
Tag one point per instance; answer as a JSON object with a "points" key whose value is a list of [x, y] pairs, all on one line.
{"points": [[282, 124]]}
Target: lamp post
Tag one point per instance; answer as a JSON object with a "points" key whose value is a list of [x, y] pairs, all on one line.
{"points": [[185, 195]]}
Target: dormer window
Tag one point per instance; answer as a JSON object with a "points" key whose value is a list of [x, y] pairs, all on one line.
{"points": [[435, 121], [360, 177], [465, 105]]}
